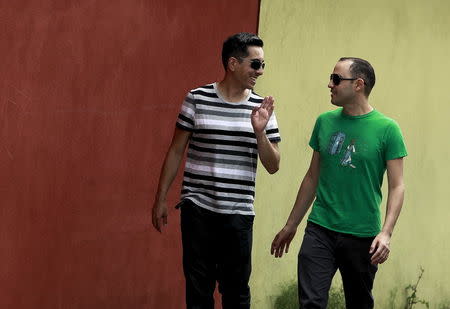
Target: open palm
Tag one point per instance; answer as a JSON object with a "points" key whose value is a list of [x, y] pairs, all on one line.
{"points": [[261, 114]]}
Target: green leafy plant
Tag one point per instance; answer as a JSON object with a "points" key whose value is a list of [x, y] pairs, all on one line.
{"points": [[336, 298], [444, 305], [411, 294], [288, 297], [392, 301]]}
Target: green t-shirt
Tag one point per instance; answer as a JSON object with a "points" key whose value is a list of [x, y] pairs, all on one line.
{"points": [[353, 154]]}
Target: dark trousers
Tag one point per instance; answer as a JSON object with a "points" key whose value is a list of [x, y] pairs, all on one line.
{"points": [[216, 247], [323, 252]]}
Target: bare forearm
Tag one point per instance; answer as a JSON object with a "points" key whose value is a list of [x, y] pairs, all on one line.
{"points": [[305, 197], [268, 153], [168, 173], [393, 208]]}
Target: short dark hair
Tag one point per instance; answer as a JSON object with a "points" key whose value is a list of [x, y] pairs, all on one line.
{"points": [[361, 68], [236, 46]]}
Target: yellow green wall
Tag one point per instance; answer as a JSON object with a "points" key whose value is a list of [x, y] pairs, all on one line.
{"points": [[408, 43]]}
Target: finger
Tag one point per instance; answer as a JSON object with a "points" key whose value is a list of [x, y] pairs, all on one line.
{"points": [[155, 220], [157, 225], [382, 251], [263, 102], [382, 259], [165, 220], [374, 261], [267, 102], [274, 245], [270, 110], [285, 248], [255, 110], [276, 249], [280, 251], [378, 256], [373, 246]]}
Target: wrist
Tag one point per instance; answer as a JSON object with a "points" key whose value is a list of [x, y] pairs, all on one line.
{"points": [[160, 198], [260, 134], [292, 224], [386, 232]]}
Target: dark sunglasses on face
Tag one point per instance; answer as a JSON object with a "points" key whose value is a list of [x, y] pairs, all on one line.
{"points": [[256, 64], [336, 78]]}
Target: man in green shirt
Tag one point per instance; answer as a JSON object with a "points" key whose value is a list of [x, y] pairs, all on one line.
{"points": [[353, 146]]}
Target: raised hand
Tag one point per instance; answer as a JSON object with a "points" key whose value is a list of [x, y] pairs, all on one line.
{"points": [[261, 114]]}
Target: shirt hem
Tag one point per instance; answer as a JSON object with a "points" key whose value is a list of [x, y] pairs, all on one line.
{"points": [[344, 232], [220, 211]]}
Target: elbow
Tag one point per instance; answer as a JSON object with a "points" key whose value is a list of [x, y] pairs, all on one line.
{"points": [[273, 169], [399, 188], [272, 165]]}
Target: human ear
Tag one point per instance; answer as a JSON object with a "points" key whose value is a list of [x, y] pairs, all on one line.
{"points": [[359, 84], [232, 62]]}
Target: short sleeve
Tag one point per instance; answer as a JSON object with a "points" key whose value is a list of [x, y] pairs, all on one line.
{"points": [[186, 117], [394, 143], [272, 131], [314, 140]]}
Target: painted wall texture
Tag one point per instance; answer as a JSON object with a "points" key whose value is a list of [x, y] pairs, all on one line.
{"points": [[408, 43], [90, 91]]}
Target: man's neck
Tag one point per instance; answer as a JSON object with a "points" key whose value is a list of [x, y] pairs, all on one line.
{"points": [[357, 108], [231, 92]]}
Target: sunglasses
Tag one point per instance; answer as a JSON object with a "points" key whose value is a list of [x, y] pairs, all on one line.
{"points": [[336, 78], [257, 64]]}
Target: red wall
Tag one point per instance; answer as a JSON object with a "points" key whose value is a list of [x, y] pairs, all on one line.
{"points": [[90, 91]]}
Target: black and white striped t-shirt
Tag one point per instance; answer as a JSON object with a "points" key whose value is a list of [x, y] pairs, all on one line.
{"points": [[222, 156]]}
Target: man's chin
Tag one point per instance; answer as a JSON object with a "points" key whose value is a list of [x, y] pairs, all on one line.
{"points": [[334, 103]]}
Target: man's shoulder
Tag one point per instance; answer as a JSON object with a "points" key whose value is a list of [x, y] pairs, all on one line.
{"points": [[336, 113], [385, 120], [206, 93], [207, 87], [203, 90], [255, 98]]}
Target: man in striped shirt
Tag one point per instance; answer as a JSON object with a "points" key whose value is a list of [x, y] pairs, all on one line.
{"points": [[227, 127]]}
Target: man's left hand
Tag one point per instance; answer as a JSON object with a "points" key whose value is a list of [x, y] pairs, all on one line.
{"points": [[380, 248], [261, 114]]}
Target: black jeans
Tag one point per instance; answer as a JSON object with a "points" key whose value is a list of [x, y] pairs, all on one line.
{"points": [[323, 252], [216, 247]]}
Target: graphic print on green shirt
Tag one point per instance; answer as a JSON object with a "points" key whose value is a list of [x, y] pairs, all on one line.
{"points": [[353, 155]]}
